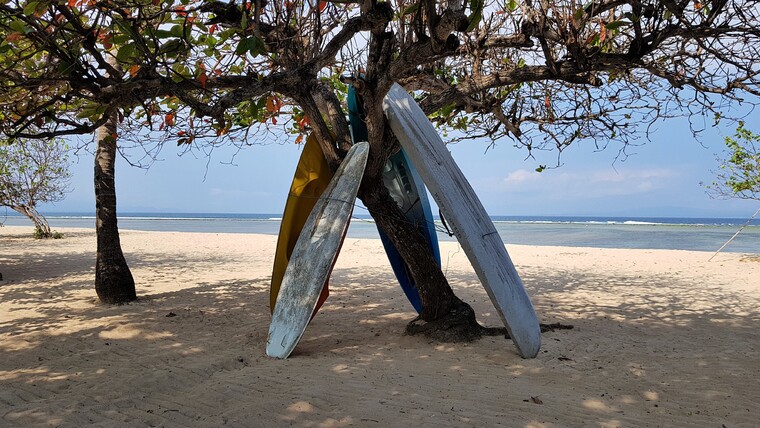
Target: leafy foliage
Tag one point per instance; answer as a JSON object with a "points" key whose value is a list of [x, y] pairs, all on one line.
{"points": [[31, 172], [739, 174]]}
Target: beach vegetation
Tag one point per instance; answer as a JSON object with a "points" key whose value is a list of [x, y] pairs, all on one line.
{"points": [[33, 172], [538, 75], [739, 172]]}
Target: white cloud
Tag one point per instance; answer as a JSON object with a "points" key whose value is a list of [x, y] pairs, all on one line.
{"points": [[589, 183], [521, 176]]}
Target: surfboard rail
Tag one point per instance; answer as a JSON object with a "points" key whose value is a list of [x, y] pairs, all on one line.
{"points": [[467, 217], [314, 255]]}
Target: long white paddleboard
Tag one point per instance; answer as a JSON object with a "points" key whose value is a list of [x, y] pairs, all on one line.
{"points": [[314, 255], [467, 218]]}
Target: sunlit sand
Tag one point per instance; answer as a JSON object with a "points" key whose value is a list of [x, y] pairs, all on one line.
{"points": [[661, 338]]}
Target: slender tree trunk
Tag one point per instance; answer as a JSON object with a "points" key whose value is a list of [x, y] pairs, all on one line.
{"points": [[41, 226], [113, 279], [444, 316], [435, 292]]}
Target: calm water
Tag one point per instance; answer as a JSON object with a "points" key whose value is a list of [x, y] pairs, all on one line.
{"points": [[701, 234]]}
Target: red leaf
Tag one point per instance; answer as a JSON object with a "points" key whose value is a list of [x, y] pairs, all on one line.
{"points": [[273, 104], [203, 79], [322, 5], [274, 121], [133, 70], [303, 122], [12, 37], [169, 119], [212, 28], [299, 139]]}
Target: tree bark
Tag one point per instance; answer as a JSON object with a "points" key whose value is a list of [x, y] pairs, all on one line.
{"points": [[444, 316], [41, 226], [113, 279]]}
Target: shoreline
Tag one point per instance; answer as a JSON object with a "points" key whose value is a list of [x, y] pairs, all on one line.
{"points": [[365, 230], [661, 338]]}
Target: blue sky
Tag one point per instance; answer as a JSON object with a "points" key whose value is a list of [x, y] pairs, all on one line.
{"points": [[661, 178]]}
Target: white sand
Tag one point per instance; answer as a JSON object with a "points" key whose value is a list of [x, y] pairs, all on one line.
{"points": [[661, 338]]}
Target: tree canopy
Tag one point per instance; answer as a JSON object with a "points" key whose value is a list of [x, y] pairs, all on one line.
{"points": [[542, 73], [739, 173], [32, 172]]}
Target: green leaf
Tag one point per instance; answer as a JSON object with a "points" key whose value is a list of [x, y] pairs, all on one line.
{"points": [[127, 53], [476, 6], [164, 34], [173, 46], [252, 44], [409, 10], [31, 8], [19, 26], [614, 25]]}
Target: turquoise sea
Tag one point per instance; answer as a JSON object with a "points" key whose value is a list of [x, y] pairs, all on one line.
{"points": [[700, 234]]}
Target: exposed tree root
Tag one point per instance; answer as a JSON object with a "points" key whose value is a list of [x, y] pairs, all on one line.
{"points": [[461, 325]]}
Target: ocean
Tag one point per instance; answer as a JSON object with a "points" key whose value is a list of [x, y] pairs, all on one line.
{"points": [[698, 234]]}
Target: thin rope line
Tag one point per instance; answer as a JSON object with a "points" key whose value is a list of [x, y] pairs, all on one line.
{"points": [[735, 234]]}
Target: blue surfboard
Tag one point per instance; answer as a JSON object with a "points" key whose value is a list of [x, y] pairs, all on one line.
{"points": [[406, 188]]}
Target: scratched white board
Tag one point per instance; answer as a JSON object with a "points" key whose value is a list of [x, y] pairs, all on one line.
{"points": [[467, 218], [314, 255]]}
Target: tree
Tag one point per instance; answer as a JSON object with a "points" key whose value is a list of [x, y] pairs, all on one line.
{"points": [[541, 74], [31, 172], [739, 174], [113, 279]]}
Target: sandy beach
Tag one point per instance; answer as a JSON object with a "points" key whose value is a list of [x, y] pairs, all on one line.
{"points": [[661, 338]]}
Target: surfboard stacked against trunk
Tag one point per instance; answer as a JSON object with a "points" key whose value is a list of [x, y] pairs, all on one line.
{"points": [[314, 255], [406, 188], [467, 217], [303, 265]]}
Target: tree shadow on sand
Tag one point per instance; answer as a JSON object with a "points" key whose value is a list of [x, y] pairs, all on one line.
{"points": [[194, 356]]}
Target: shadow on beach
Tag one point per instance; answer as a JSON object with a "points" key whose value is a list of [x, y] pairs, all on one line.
{"points": [[657, 349]]}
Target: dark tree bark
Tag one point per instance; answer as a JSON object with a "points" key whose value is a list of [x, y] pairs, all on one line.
{"points": [[444, 316], [113, 279]]}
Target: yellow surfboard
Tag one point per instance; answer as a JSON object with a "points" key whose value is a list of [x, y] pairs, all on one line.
{"points": [[309, 182]]}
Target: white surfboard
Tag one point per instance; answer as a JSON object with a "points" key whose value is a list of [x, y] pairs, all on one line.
{"points": [[467, 218], [314, 255]]}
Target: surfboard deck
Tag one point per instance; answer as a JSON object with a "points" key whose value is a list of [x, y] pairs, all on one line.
{"points": [[314, 255], [309, 183], [406, 188], [467, 217]]}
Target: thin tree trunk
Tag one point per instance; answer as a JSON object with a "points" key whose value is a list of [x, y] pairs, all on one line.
{"points": [[41, 226], [436, 294], [113, 279]]}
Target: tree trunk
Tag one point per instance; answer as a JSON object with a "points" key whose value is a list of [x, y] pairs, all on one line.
{"points": [[444, 316], [113, 279], [41, 226]]}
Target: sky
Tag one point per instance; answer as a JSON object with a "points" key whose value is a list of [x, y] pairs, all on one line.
{"points": [[660, 179]]}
